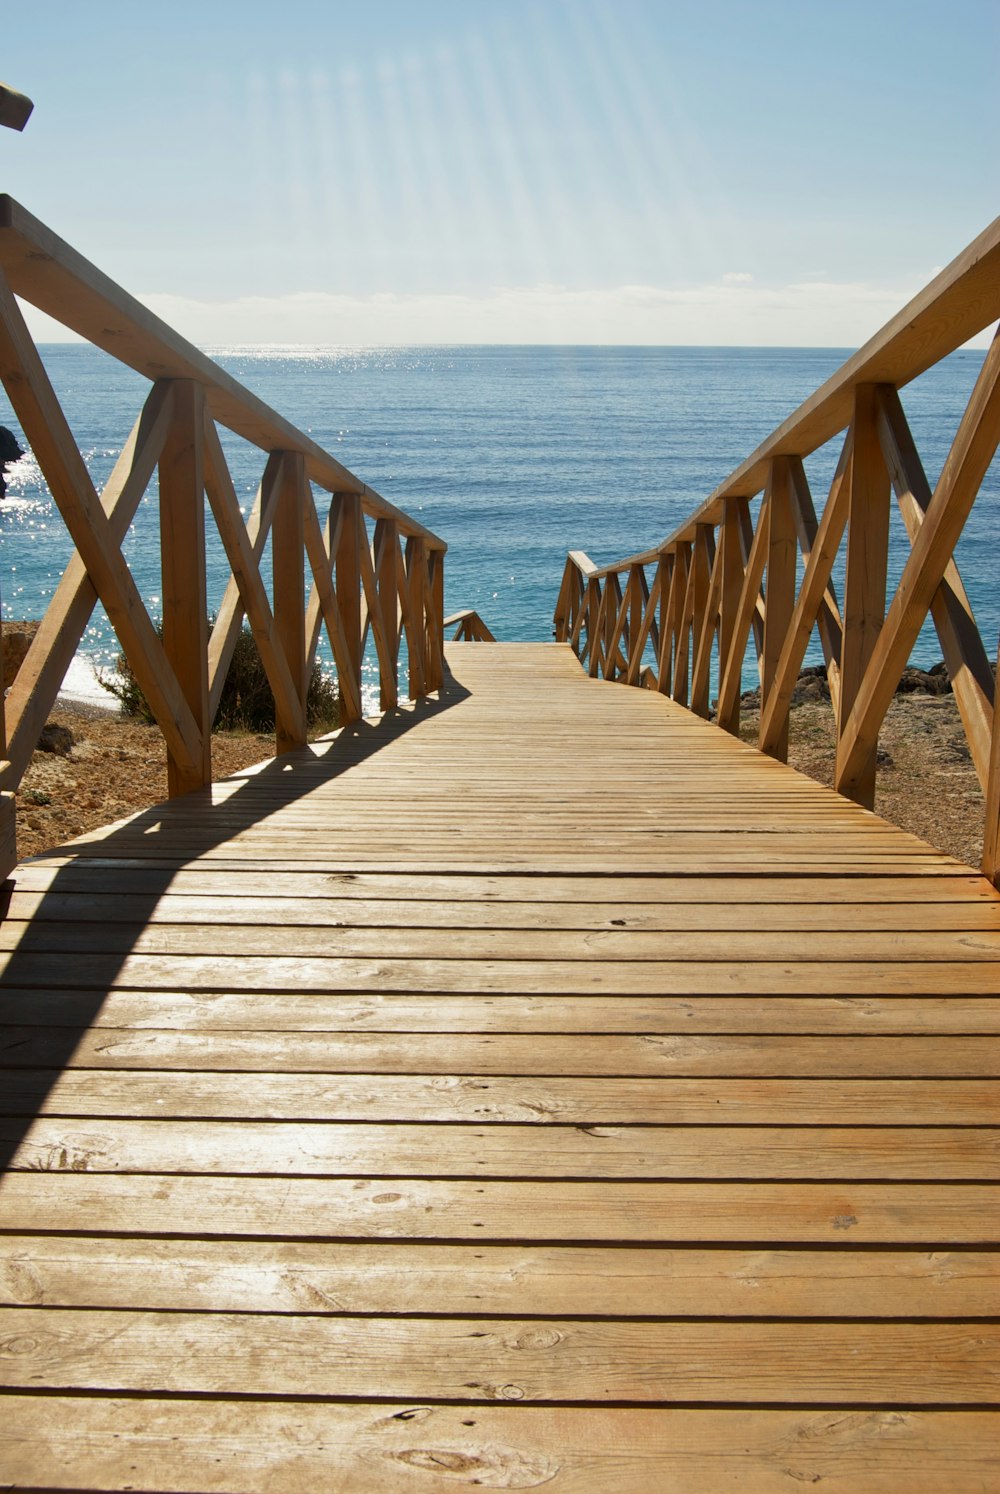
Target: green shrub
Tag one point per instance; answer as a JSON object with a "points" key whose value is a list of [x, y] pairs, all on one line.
{"points": [[247, 703]]}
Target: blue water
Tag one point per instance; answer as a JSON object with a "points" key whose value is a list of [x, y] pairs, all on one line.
{"points": [[513, 455]]}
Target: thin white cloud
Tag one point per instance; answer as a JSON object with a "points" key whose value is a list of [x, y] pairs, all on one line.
{"points": [[727, 313]]}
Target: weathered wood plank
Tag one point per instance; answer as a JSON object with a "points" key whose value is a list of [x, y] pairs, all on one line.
{"points": [[436, 1011], [840, 1214], [480, 1359], [187, 1094], [644, 1054], [226, 1447], [303, 1149], [502, 1280]]}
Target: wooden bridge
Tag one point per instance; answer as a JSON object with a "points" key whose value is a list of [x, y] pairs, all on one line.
{"points": [[531, 1086]]}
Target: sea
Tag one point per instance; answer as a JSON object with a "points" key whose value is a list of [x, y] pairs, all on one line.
{"points": [[513, 455]]}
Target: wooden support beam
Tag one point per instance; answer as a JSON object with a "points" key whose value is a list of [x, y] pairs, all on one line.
{"points": [[961, 644], [244, 546], [596, 632], [829, 624], [40, 676], [731, 668], [707, 587], [347, 565], [222, 496], [991, 836], [413, 617], [287, 546], [729, 596], [782, 552], [667, 575], [647, 627], [182, 561], [823, 547], [747, 533], [684, 607], [321, 548], [864, 582], [968, 460], [386, 563], [435, 620]]}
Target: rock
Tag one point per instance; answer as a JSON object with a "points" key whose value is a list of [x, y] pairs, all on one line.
{"points": [[57, 739], [17, 638], [933, 681]]}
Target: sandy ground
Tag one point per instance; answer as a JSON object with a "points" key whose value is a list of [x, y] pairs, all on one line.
{"points": [[114, 768]]}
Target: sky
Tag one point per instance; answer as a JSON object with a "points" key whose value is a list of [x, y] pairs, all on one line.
{"points": [[717, 172]]}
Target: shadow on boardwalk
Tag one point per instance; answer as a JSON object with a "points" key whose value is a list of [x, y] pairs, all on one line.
{"points": [[49, 1000]]}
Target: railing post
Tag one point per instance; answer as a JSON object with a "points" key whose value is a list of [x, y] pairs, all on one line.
{"points": [[387, 580], [729, 603], [347, 516], [416, 632], [681, 622], [287, 549], [182, 557], [991, 835], [704, 616], [779, 595], [434, 668], [864, 581]]}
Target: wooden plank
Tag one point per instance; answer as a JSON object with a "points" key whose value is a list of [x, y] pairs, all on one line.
{"points": [[544, 946], [485, 1360], [595, 1281], [849, 1214], [396, 913], [290, 1148], [122, 874], [227, 1447], [376, 1010], [486, 1099], [646, 1054]]}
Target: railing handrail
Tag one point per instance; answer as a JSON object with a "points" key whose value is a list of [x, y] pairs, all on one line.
{"points": [[43, 269], [708, 590], [469, 627]]}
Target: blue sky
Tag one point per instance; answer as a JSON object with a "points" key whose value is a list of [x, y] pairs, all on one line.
{"points": [[714, 171]]}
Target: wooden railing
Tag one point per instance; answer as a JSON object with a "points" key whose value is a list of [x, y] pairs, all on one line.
{"points": [[690, 605], [469, 627], [369, 568]]}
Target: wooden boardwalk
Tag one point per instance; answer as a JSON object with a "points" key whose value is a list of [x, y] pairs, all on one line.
{"points": [[535, 1090]]}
